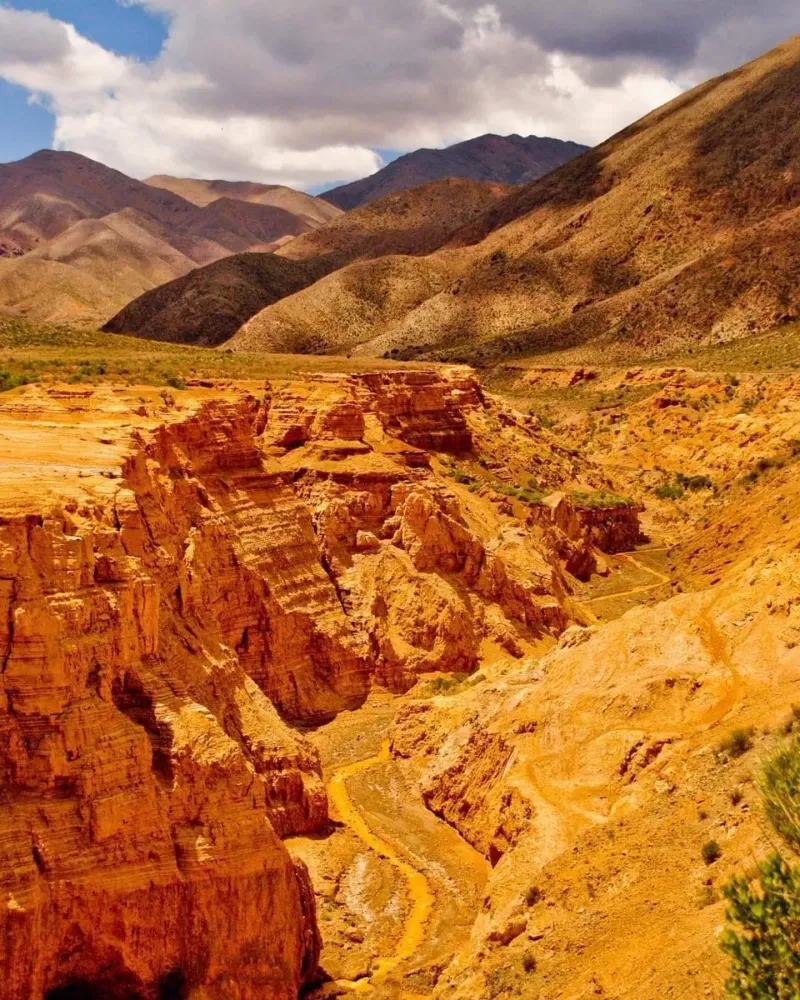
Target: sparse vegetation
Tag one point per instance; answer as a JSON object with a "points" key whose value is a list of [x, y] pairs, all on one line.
{"points": [[450, 685], [711, 852], [737, 743], [670, 491], [600, 500], [678, 487]]}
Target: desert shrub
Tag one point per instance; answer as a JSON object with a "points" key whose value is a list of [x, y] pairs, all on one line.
{"points": [[694, 483], [529, 963], [670, 491], [10, 381], [175, 382], [737, 743], [765, 950], [711, 852], [600, 500], [780, 789]]}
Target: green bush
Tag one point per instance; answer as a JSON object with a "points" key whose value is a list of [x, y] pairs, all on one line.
{"points": [[670, 491], [765, 952], [711, 852], [694, 483], [780, 789], [763, 935], [600, 501]]}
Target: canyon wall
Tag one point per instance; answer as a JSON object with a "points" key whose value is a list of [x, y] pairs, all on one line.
{"points": [[181, 575]]}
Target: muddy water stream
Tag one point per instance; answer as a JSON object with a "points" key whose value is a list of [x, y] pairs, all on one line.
{"points": [[398, 890], [419, 891]]}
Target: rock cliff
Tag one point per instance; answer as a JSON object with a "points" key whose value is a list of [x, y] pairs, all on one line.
{"points": [[182, 574]]}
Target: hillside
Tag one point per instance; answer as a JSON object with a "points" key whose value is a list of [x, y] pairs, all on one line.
{"points": [[348, 307], [680, 231], [351, 303], [79, 240], [379, 264], [208, 306], [510, 159], [416, 222], [683, 229], [313, 211]]}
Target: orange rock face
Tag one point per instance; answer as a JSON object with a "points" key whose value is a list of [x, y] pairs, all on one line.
{"points": [[146, 777], [177, 577]]}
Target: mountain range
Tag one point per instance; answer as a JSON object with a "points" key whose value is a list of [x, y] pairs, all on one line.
{"points": [[79, 240], [682, 229]]}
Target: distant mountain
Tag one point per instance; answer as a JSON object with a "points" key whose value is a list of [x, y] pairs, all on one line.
{"points": [[313, 211], [79, 240], [510, 159]]}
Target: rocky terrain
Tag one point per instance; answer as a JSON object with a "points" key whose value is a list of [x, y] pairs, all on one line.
{"points": [[504, 159], [431, 686]]}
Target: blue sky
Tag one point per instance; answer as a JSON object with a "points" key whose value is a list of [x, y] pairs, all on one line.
{"points": [[127, 30]]}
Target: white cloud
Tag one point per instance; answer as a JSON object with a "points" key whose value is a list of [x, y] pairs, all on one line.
{"points": [[301, 91]]}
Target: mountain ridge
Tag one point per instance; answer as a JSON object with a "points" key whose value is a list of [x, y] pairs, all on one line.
{"points": [[512, 159]]}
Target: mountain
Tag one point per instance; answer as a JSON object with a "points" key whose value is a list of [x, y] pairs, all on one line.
{"points": [[203, 308], [79, 240], [313, 211], [510, 159], [211, 303], [683, 229]]}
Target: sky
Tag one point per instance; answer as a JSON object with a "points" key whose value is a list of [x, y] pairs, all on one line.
{"points": [[313, 92]]}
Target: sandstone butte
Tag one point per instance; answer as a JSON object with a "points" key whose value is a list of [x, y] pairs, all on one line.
{"points": [[214, 602], [184, 579]]}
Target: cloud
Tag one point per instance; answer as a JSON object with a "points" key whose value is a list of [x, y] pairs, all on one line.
{"points": [[303, 91]]}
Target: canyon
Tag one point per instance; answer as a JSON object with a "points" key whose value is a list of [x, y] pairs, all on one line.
{"points": [[377, 681]]}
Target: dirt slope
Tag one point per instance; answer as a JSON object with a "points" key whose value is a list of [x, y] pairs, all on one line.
{"points": [[510, 159], [356, 302], [210, 304]]}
